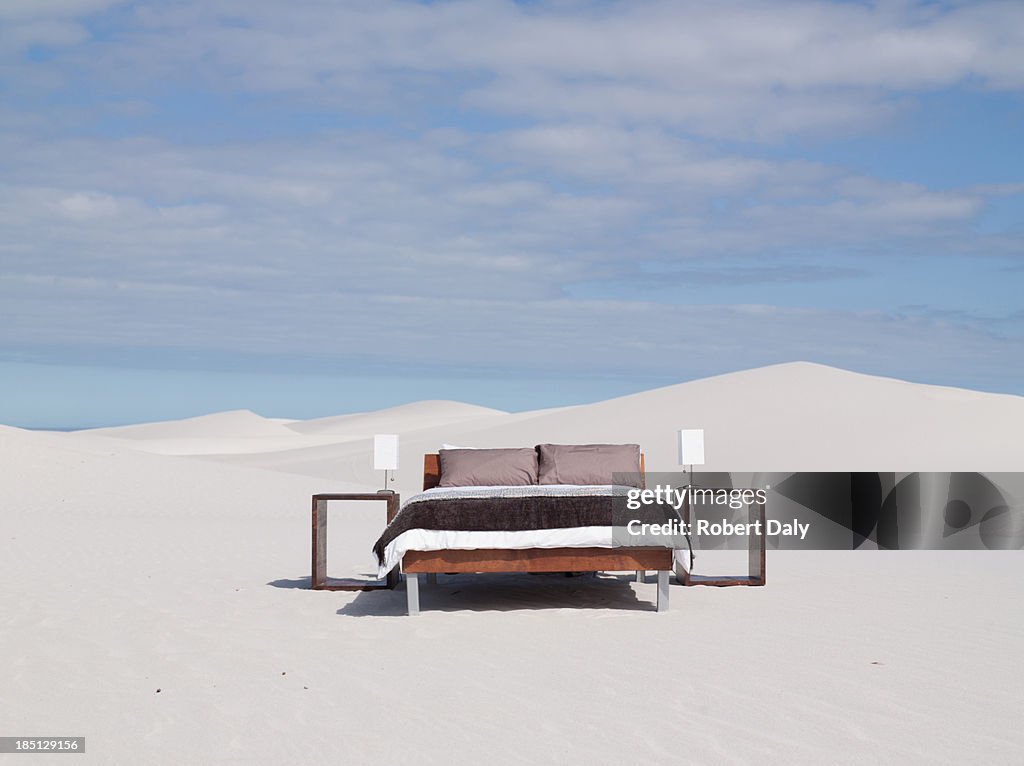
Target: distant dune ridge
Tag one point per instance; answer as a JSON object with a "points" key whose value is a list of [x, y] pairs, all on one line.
{"points": [[231, 424], [405, 417], [175, 557], [789, 417]]}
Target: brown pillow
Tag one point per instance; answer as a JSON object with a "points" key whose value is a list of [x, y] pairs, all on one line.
{"points": [[488, 467], [589, 463]]}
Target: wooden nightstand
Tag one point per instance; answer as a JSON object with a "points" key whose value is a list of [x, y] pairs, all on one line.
{"points": [[755, 552], [320, 579]]}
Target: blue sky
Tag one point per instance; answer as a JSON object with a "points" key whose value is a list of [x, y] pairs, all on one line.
{"points": [[311, 207]]}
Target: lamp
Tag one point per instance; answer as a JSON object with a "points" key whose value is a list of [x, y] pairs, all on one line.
{"points": [[691, 448], [385, 455]]}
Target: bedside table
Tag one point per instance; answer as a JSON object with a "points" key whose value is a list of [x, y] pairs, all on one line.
{"points": [[320, 579], [755, 550]]}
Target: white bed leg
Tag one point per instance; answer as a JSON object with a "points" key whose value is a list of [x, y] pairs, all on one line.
{"points": [[412, 592], [640, 575], [663, 590], [432, 578]]}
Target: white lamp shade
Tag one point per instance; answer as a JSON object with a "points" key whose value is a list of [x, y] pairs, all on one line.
{"points": [[385, 452], [691, 446]]}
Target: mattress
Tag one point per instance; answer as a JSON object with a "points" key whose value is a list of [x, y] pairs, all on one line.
{"points": [[515, 518]]}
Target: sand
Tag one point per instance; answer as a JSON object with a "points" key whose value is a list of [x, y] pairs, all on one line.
{"points": [[127, 570]]}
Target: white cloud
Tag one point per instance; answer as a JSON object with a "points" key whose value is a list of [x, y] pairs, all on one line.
{"points": [[553, 333], [28, 10], [85, 206], [50, 33], [605, 155], [49, 23], [369, 210], [749, 69]]}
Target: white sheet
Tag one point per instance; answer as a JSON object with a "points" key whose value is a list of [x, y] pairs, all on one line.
{"points": [[446, 539], [436, 540]]}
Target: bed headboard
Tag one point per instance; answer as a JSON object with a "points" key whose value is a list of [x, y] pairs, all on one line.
{"points": [[432, 470]]}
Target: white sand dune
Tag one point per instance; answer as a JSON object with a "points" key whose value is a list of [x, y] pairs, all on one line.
{"points": [[405, 418], [232, 424], [788, 417], [242, 432], [125, 572]]}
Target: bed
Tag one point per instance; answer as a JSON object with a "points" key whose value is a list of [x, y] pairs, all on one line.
{"points": [[427, 537]]}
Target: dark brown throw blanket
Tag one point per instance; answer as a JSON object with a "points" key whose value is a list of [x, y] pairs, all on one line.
{"points": [[503, 514]]}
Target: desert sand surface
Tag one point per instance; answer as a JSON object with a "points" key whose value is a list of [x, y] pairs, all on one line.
{"points": [[157, 601]]}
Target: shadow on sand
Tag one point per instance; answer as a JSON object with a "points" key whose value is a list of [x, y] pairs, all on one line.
{"points": [[509, 593], [299, 582]]}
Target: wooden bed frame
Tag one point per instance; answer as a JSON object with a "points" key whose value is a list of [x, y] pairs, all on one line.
{"points": [[432, 563]]}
